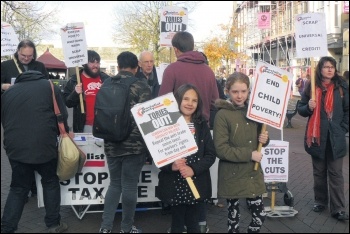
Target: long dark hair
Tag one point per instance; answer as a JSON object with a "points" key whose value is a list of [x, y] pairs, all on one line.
{"points": [[318, 74], [26, 43], [179, 94]]}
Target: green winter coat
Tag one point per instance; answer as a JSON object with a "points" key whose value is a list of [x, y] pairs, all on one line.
{"points": [[235, 138]]}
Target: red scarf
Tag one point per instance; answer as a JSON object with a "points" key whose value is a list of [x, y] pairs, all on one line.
{"points": [[313, 131]]}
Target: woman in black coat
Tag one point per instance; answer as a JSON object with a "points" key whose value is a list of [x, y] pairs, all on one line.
{"points": [[325, 135]]}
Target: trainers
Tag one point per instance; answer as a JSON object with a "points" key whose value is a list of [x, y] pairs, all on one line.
{"points": [[132, 230], [103, 230], [204, 228], [341, 215], [59, 228]]}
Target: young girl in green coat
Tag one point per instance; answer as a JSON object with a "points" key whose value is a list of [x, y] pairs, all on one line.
{"points": [[236, 140]]}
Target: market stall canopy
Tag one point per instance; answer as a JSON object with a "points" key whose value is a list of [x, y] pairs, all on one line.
{"points": [[51, 62]]}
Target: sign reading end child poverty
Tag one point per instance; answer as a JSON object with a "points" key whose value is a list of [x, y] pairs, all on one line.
{"points": [[74, 44], [172, 19], [311, 35], [164, 129], [270, 95], [9, 39]]}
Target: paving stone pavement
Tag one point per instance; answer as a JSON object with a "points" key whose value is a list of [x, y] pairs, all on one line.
{"points": [[157, 220]]}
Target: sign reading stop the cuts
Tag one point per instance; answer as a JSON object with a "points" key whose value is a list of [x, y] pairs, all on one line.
{"points": [[275, 161]]}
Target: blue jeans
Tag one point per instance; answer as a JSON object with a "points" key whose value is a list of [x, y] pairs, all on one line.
{"points": [[124, 172], [21, 183]]}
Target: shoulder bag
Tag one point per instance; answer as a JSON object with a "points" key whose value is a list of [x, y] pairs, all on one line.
{"points": [[71, 159]]}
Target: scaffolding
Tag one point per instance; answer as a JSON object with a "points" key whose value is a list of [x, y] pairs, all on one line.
{"points": [[275, 45]]}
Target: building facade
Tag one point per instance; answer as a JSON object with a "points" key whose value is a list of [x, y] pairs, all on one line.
{"points": [[276, 43]]}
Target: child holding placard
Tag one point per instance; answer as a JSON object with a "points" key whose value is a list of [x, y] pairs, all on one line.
{"points": [[173, 187], [236, 140]]}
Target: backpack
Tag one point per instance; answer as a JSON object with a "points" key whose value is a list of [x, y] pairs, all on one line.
{"points": [[112, 120]]}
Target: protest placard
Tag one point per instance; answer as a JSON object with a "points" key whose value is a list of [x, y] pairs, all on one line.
{"points": [[172, 19], [270, 95], [9, 39], [311, 35], [74, 44], [274, 163], [164, 129]]}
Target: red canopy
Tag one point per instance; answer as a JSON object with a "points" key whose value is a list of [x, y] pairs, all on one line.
{"points": [[50, 61]]}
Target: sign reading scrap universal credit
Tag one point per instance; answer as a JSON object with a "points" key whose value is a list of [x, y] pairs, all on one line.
{"points": [[164, 129], [270, 95]]}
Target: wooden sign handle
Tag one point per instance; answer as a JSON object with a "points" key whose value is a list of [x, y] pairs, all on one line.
{"points": [[193, 187], [80, 95], [313, 95], [263, 129]]}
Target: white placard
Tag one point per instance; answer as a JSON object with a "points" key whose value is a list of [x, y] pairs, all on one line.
{"points": [[172, 19], [164, 129], [311, 35], [74, 44], [275, 163], [160, 71], [9, 39], [270, 95]]}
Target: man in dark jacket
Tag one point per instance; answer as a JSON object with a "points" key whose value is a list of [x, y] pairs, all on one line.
{"points": [[91, 81], [30, 141], [190, 68], [125, 158], [147, 71], [24, 60]]}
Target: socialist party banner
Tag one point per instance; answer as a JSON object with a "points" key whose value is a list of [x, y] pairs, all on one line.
{"points": [[172, 19], [270, 95], [164, 129], [90, 186]]}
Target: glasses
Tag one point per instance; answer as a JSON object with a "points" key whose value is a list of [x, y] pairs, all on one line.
{"points": [[328, 67], [26, 56]]}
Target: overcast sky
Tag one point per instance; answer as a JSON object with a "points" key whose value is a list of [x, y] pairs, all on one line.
{"points": [[97, 19]]}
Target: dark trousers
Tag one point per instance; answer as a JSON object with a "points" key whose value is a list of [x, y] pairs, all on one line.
{"points": [[184, 215], [21, 183], [256, 208], [328, 179]]}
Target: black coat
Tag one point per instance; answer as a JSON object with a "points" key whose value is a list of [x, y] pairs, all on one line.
{"points": [[152, 83], [337, 127], [165, 190], [71, 98], [29, 120], [9, 69]]}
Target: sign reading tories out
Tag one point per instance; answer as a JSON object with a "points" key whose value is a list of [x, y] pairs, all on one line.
{"points": [[164, 129], [74, 44], [311, 35], [270, 95], [172, 19]]}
